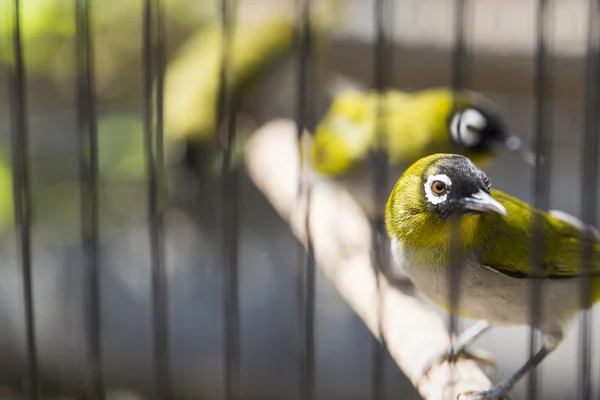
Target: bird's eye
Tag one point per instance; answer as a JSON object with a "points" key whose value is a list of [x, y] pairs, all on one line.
{"points": [[467, 127], [438, 187]]}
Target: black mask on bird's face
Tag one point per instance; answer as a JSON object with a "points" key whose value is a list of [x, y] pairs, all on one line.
{"points": [[480, 131], [454, 186]]}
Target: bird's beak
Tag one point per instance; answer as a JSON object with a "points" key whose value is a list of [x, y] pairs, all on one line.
{"points": [[514, 144], [483, 202]]}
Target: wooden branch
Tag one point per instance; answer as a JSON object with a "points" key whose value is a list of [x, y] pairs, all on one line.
{"points": [[341, 237]]}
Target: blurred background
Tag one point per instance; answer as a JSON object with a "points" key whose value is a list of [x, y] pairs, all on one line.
{"points": [[501, 45]]}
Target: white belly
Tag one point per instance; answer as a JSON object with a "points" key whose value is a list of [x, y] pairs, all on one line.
{"points": [[493, 296]]}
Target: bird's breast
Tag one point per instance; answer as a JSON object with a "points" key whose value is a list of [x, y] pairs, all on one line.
{"points": [[483, 292]]}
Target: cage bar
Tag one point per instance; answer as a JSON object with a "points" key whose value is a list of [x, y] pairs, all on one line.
{"points": [[306, 277], [154, 61], [459, 48], [458, 78], [382, 76], [541, 182], [589, 197], [230, 209], [22, 197], [88, 165]]}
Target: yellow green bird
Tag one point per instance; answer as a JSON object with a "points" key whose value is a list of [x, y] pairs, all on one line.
{"points": [[413, 125], [493, 253], [261, 44]]}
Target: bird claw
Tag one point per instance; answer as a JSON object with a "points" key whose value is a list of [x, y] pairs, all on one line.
{"points": [[479, 396], [498, 392], [479, 356]]}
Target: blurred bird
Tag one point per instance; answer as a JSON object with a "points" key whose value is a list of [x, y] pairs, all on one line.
{"points": [[496, 273], [413, 125], [193, 77], [261, 46]]}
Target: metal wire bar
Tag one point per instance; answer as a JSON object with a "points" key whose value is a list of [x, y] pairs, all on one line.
{"points": [[154, 62], [22, 196], [589, 197], [459, 50], [541, 178], [382, 71], [306, 279], [88, 165], [383, 46], [459, 56], [230, 211]]}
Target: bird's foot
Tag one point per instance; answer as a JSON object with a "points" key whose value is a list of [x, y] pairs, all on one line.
{"points": [[452, 355], [498, 392]]}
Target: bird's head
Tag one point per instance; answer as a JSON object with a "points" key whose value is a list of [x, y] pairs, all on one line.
{"points": [[431, 192], [478, 127]]}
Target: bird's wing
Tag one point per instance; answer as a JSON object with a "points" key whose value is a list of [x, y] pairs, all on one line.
{"points": [[576, 222], [416, 124], [510, 241]]}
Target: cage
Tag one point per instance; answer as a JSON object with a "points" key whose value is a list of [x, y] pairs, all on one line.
{"points": [[162, 238]]}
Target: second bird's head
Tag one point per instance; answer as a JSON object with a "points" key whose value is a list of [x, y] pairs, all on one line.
{"points": [[479, 129]]}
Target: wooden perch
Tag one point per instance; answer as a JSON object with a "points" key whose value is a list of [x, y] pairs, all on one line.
{"points": [[341, 237]]}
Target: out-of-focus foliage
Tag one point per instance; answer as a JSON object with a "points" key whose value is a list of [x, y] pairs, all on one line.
{"points": [[48, 32], [122, 183], [121, 148]]}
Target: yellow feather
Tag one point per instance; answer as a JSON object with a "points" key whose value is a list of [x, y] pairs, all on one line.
{"points": [[416, 124]]}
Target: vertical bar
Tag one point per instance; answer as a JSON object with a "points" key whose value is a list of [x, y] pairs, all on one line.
{"points": [[541, 179], [22, 197], [383, 49], [88, 164], [154, 53], [230, 212], [382, 71], [306, 280], [589, 197], [459, 51], [459, 55]]}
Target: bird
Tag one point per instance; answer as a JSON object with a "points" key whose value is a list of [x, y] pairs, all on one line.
{"points": [[494, 264], [414, 125], [211, 94]]}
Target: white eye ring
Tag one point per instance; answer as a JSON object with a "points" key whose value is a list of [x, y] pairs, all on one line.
{"points": [[432, 197], [463, 124]]}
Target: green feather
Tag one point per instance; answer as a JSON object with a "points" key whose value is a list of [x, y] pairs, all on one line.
{"points": [[508, 241]]}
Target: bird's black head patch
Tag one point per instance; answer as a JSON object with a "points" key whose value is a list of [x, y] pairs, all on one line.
{"points": [[448, 180]]}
